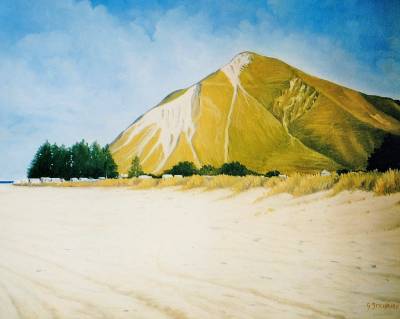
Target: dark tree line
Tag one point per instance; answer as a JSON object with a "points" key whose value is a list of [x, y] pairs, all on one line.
{"points": [[79, 160], [387, 155]]}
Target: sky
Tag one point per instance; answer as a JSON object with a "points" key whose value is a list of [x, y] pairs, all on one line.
{"points": [[72, 70]]}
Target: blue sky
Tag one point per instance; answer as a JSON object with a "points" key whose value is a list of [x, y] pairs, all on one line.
{"points": [[86, 69]]}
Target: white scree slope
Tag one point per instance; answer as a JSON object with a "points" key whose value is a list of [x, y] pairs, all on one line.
{"points": [[172, 119], [232, 70]]}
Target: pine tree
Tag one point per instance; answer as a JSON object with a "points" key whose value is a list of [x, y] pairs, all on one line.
{"points": [[80, 154], [110, 169], [136, 169], [62, 161], [42, 163], [97, 160]]}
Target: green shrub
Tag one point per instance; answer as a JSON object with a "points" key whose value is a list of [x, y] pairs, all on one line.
{"points": [[272, 173], [208, 170], [234, 169], [183, 168]]}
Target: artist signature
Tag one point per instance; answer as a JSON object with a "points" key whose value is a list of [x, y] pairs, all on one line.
{"points": [[383, 306]]}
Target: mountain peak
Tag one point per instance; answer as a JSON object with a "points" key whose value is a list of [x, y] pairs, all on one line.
{"points": [[263, 113], [242, 59], [239, 62]]}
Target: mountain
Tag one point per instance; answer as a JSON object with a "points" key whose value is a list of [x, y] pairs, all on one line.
{"points": [[265, 114]]}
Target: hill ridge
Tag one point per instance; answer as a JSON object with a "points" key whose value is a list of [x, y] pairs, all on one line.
{"points": [[264, 113]]}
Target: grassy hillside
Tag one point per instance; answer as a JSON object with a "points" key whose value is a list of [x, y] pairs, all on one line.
{"points": [[267, 115]]}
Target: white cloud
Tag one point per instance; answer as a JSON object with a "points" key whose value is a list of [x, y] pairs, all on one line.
{"points": [[88, 74]]}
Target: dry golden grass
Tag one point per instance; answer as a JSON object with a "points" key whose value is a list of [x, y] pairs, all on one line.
{"points": [[272, 182], [247, 182], [99, 183], [300, 184], [194, 181], [221, 181], [297, 184], [170, 182], [236, 183], [380, 183], [145, 183], [388, 182], [356, 181]]}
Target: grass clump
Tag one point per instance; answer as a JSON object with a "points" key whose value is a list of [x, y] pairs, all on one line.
{"points": [[314, 183], [116, 182], [170, 182], [247, 182], [99, 183], [300, 184], [356, 181], [273, 181], [221, 181], [387, 183], [194, 181], [146, 183]]}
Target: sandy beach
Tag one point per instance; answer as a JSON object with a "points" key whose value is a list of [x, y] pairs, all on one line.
{"points": [[122, 253]]}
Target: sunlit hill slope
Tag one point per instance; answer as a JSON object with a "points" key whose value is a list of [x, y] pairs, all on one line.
{"points": [[265, 114]]}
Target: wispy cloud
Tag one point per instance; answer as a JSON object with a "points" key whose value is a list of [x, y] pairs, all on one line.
{"points": [[80, 71]]}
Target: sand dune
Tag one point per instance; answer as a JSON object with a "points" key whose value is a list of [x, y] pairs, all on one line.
{"points": [[120, 253]]}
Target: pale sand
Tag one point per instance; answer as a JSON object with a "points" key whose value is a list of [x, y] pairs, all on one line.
{"points": [[119, 253]]}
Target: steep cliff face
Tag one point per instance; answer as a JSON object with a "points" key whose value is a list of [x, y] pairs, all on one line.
{"points": [[263, 113]]}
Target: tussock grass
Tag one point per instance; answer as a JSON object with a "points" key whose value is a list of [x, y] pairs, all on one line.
{"points": [[356, 181], [145, 183], [272, 182], [380, 183], [301, 184], [194, 181], [388, 182], [248, 182], [236, 183], [169, 182], [99, 183], [221, 181], [297, 184]]}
